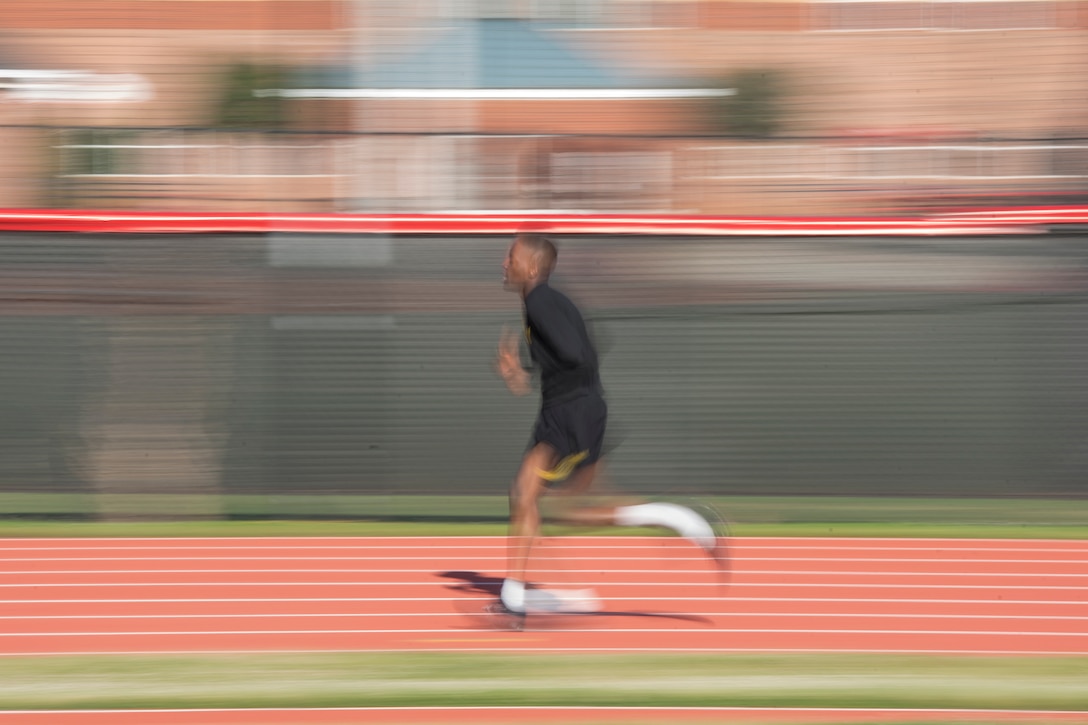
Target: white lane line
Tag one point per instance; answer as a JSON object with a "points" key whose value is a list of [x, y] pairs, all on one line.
{"points": [[800, 543], [437, 613], [498, 542], [575, 557], [528, 647], [800, 573], [228, 600], [678, 551], [701, 631], [672, 585], [837, 600]]}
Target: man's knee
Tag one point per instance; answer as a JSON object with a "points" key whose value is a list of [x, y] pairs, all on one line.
{"points": [[528, 486], [525, 493]]}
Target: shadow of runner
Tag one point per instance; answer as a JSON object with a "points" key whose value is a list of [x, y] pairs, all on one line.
{"points": [[475, 583]]}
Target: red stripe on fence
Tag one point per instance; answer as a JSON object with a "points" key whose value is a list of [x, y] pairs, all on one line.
{"points": [[1008, 221]]}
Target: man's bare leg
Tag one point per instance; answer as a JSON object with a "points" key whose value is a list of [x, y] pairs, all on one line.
{"points": [[529, 487], [525, 495], [577, 502], [631, 511]]}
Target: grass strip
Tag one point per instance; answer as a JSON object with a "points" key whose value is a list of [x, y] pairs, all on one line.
{"points": [[460, 679], [476, 508], [57, 515]]}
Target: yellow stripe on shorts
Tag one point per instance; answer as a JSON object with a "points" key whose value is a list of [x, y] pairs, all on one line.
{"points": [[564, 468]]}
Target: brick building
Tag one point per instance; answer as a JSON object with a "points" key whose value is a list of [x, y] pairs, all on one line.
{"points": [[902, 72]]}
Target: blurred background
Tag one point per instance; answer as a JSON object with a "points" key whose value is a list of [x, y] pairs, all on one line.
{"points": [[706, 106], [237, 375]]}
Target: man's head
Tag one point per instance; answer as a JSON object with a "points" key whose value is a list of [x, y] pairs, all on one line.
{"points": [[529, 261]]}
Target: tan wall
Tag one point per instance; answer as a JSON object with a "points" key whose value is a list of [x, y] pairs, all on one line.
{"points": [[173, 15], [601, 117], [182, 67], [1032, 83], [799, 16], [1027, 82], [25, 170], [633, 117], [731, 15]]}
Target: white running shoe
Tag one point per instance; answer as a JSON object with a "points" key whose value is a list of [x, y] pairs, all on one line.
{"points": [[562, 601], [719, 550]]}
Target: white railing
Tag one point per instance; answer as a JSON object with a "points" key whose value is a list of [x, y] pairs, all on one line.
{"points": [[174, 154], [464, 172], [889, 162]]}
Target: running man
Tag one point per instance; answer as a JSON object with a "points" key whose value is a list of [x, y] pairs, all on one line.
{"points": [[565, 447]]}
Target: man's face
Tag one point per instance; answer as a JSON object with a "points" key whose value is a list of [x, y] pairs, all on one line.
{"points": [[518, 268]]}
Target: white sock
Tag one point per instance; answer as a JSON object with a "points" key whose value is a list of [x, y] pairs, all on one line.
{"points": [[680, 519], [512, 595]]}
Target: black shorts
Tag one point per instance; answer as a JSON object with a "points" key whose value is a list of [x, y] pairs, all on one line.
{"points": [[575, 429]]}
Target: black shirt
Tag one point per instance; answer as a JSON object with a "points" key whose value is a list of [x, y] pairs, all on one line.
{"points": [[560, 346]]}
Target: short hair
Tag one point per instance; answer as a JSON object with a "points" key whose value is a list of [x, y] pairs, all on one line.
{"points": [[542, 248]]}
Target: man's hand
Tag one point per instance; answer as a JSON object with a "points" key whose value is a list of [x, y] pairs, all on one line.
{"points": [[508, 363]]}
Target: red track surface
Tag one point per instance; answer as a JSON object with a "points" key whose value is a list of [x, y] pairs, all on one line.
{"points": [[787, 595]]}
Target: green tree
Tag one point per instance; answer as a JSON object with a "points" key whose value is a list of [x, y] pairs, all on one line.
{"points": [[755, 108], [242, 104]]}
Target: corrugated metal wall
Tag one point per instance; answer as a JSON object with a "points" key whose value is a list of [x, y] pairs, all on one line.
{"points": [[203, 365]]}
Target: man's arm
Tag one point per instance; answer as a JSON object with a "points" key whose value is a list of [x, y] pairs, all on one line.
{"points": [[508, 363]]}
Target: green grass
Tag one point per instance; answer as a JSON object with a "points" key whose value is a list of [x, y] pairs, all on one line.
{"points": [[54, 529], [456, 679], [40, 515]]}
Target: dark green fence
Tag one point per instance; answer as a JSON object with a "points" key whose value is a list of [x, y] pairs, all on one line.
{"points": [[197, 366]]}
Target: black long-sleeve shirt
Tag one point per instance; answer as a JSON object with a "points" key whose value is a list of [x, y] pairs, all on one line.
{"points": [[560, 346]]}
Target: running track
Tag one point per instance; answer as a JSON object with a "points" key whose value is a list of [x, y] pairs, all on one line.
{"points": [[67, 596]]}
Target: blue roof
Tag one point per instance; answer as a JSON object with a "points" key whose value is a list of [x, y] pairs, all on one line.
{"points": [[496, 54]]}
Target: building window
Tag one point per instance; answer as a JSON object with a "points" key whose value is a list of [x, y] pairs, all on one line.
{"points": [[612, 14], [569, 13], [557, 14]]}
